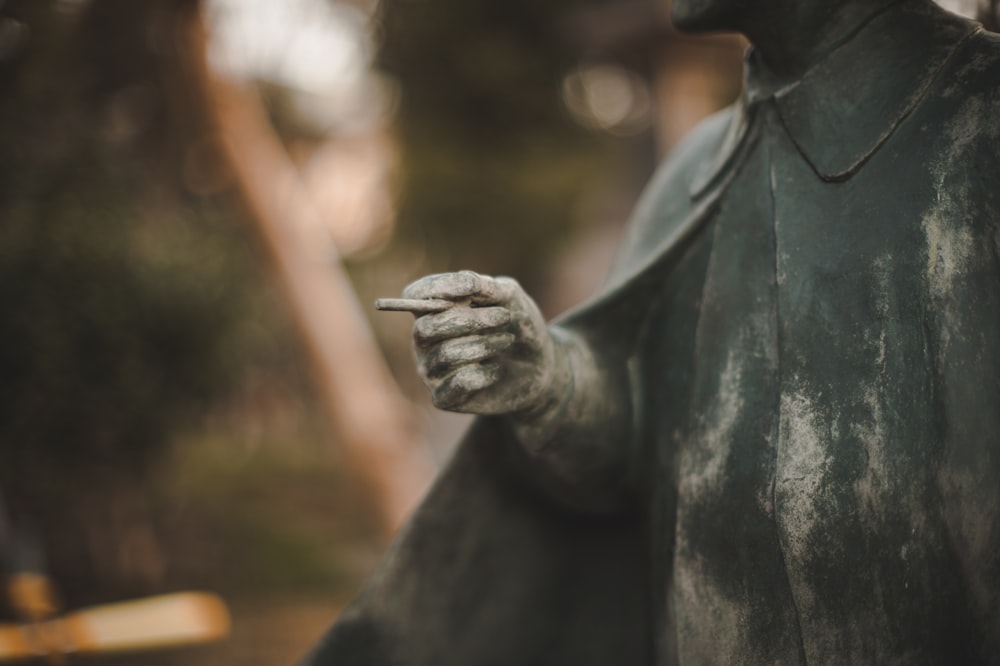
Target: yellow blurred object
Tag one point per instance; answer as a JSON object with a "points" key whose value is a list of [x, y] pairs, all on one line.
{"points": [[12, 643], [173, 619], [32, 596], [168, 620]]}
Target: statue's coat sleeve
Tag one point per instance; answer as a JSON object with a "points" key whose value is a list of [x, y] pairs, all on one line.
{"points": [[490, 569]]}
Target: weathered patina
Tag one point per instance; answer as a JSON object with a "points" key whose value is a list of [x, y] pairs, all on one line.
{"points": [[801, 345]]}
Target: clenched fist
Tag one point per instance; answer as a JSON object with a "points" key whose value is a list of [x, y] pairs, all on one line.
{"points": [[490, 353]]}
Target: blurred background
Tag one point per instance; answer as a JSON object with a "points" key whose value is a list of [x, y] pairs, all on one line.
{"points": [[199, 201]]}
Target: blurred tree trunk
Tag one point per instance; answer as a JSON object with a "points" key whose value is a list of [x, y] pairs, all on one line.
{"points": [[117, 304], [376, 424]]}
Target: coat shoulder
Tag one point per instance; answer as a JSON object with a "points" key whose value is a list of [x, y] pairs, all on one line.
{"points": [[964, 123], [972, 84], [666, 200]]}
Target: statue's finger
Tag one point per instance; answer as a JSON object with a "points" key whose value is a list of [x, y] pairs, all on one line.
{"points": [[494, 290], [455, 390], [451, 286], [445, 358], [464, 286], [458, 322], [451, 354]]}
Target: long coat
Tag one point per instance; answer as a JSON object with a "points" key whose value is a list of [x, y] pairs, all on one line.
{"points": [[806, 318]]}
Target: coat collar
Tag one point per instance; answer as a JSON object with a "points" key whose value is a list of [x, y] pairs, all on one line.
{"points": [[846, 106]]}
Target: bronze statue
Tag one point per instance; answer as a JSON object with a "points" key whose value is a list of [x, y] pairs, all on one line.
{"points": [[775, 436]]}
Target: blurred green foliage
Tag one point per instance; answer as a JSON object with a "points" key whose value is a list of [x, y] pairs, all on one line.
{"points": [[493, 166], [129, 306], [118, 323], [312, 529]]}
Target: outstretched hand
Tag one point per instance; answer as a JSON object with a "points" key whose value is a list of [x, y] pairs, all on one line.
{"points": [[491, 353]]}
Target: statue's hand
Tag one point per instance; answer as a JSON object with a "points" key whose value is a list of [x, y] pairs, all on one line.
{"points": [[491, 353]]}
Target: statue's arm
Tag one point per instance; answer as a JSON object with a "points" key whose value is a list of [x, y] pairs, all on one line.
{"points": [[568, 401], [581, 439], [493, 354]]}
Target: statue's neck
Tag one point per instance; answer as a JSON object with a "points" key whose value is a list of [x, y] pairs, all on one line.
{"points": [[789, 44]]}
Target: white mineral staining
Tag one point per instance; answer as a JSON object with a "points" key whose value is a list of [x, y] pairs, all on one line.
{"points": [[952, 248], [870, 432], [803, 464], [704, 464], [712, 626], [949, 247], [871, 486], [880, 280]]}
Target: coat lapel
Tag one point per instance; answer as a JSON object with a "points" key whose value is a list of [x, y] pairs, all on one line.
{"points": [[848, 105]]}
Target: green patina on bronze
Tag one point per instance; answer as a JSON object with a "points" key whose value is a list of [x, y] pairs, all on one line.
{"points": [[805, 321]]}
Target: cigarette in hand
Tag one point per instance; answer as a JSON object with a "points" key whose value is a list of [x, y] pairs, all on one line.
{"points": [[414, 305]]}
